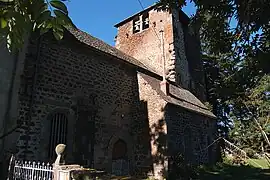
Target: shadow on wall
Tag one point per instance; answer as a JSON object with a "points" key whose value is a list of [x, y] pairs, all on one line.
{"points": [[153, 133], [155, 154], [159, 139], [143, 156], [169, 162]]}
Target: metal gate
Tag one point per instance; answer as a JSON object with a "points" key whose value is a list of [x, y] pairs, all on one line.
{"points": [[27, 170], [58, 134]]}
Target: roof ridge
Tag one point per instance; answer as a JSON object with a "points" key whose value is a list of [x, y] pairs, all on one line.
{"points": [[186, 101], [104, 47]]}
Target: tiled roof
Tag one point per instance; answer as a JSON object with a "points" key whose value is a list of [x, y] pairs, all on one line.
{"points": [[179, 96], [103, 47]]}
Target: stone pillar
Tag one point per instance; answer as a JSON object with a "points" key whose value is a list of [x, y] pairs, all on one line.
{"points": [[60, 148], [71, 172]]}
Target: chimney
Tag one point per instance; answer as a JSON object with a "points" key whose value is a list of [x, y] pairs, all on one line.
{"points": [[164, 87]]}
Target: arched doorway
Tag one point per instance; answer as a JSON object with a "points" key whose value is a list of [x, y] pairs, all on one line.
{"points": [[120, 165]]}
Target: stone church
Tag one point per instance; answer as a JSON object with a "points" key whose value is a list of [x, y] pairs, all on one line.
{"points": [[124, 109]]}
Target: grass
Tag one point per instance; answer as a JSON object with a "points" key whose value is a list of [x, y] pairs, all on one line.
{"points": [[227, 171], [224, 171], [259, 163]]}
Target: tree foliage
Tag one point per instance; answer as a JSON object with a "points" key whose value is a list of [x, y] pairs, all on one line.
{"points": [[235, 40], [20, 17], [246, 133]]}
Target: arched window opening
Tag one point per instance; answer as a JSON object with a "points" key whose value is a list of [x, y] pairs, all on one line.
{"points": [[58, 133]]}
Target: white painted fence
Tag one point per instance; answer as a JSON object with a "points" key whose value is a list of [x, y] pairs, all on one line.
{"points": [[26, 170]]}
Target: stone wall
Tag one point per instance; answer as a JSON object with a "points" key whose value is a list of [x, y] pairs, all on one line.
{"points": [[173, 130], [193, 54], [181, 64], [11, 66], [190, 134], [97, 93], [146, 46], [157, 127], [7, 66]]}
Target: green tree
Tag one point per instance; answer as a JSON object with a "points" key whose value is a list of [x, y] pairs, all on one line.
{"points": [[249, 134], [236, 57], [20, 17], [235, 40]]}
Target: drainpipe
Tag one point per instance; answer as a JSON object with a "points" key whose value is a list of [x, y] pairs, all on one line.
{"points": [[164, 86], [163, 56]]}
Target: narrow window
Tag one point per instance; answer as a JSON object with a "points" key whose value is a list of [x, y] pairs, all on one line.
{"points": [[136, 24], [145, 18], [58, 133], [141, 22]]}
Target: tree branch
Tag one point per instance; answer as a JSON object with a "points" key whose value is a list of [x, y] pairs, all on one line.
{"points": [[259, 126]]}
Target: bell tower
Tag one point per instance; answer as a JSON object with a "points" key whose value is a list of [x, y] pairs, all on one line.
{"points": [[158, 39]]}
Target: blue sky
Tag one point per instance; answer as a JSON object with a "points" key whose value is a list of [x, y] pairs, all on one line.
{"points": [[99, 17]]}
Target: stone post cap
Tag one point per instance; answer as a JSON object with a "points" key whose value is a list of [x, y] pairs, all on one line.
{"points": [[60, 148]]}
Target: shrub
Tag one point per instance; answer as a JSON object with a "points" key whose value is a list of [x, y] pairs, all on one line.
{"points": [[250, 152], [180, 168]]}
